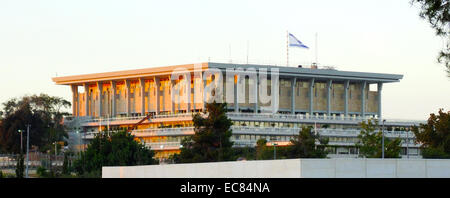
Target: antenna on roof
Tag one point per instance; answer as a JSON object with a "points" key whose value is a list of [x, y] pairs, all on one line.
{"points": [[316, 49], [287, 48], [247, 50], [230, 54]]}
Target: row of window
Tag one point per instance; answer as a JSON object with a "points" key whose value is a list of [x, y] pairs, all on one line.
{"points": [[292, 125], [355, 151]]}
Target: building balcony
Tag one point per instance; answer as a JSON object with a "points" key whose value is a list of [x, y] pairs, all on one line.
{"points": [[297, 118], [249, 130], [134, 119], [319, 119], [322, 131], [182, 131]]}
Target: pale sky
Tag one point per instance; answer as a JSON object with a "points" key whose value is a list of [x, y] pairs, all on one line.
{"points": [[42, 39]]}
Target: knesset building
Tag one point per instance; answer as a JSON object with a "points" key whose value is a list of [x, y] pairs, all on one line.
{"points": [[333, 102]]}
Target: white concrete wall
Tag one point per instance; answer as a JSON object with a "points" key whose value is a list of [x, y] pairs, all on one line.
{"points": [[290, 168]]}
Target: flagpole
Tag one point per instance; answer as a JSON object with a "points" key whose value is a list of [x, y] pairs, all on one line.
{"points": [[316, 49], [247, 51], [287, 48]]}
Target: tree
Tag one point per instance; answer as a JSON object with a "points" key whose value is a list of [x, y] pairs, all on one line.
{"points": [[262, 150], [211, 141], [244, 153], [67, 168], [44, 114], [20, 166], [370, 142], [308, 145], [42, 172], [18, 120], [434, 136], [118, 149], [437, 12]]}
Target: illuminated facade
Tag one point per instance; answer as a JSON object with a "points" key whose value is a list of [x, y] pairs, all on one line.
{"points": [[333, 101]]}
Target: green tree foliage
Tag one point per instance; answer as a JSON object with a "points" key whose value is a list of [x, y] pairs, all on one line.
{"points": [[437, 13], [42, 172], [211, 141], [370, 142], [119, 149], [67, 165], [305, 145], [308, 145], [20, 167], [244, 153], [435, 135], [44, 113], [265, 152], [17, 120], [262, 151]]}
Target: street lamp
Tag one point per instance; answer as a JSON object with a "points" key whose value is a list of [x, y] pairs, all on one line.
{"points": [[21, 142], [274, 150], [28, 146], [407, 144], [55, 149], [79, 144], [382, 140]]}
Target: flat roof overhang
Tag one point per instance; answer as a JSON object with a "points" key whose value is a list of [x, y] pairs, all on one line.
{"points": [[309, 73], [306, 73], [125, 74]]}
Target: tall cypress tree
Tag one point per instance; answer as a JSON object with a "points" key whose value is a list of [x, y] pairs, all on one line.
{"points": [[211, 141]]}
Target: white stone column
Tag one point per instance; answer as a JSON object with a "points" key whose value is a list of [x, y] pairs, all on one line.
{"points": [[197, 91], [128, 94], [157, 87], [311, 96], [163, 102], [188, 92], [346, 87], [363, 98], [172, 102], [329, 86], [75, 104], [236, 92], [100, 95], [113, 99], [380, 87], [293, 83], [149, 102], [86, 99], [203, 91], [256, 83], [142, 84]]}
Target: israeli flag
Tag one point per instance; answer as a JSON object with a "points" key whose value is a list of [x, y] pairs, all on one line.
{"points": [[294, 42]]}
